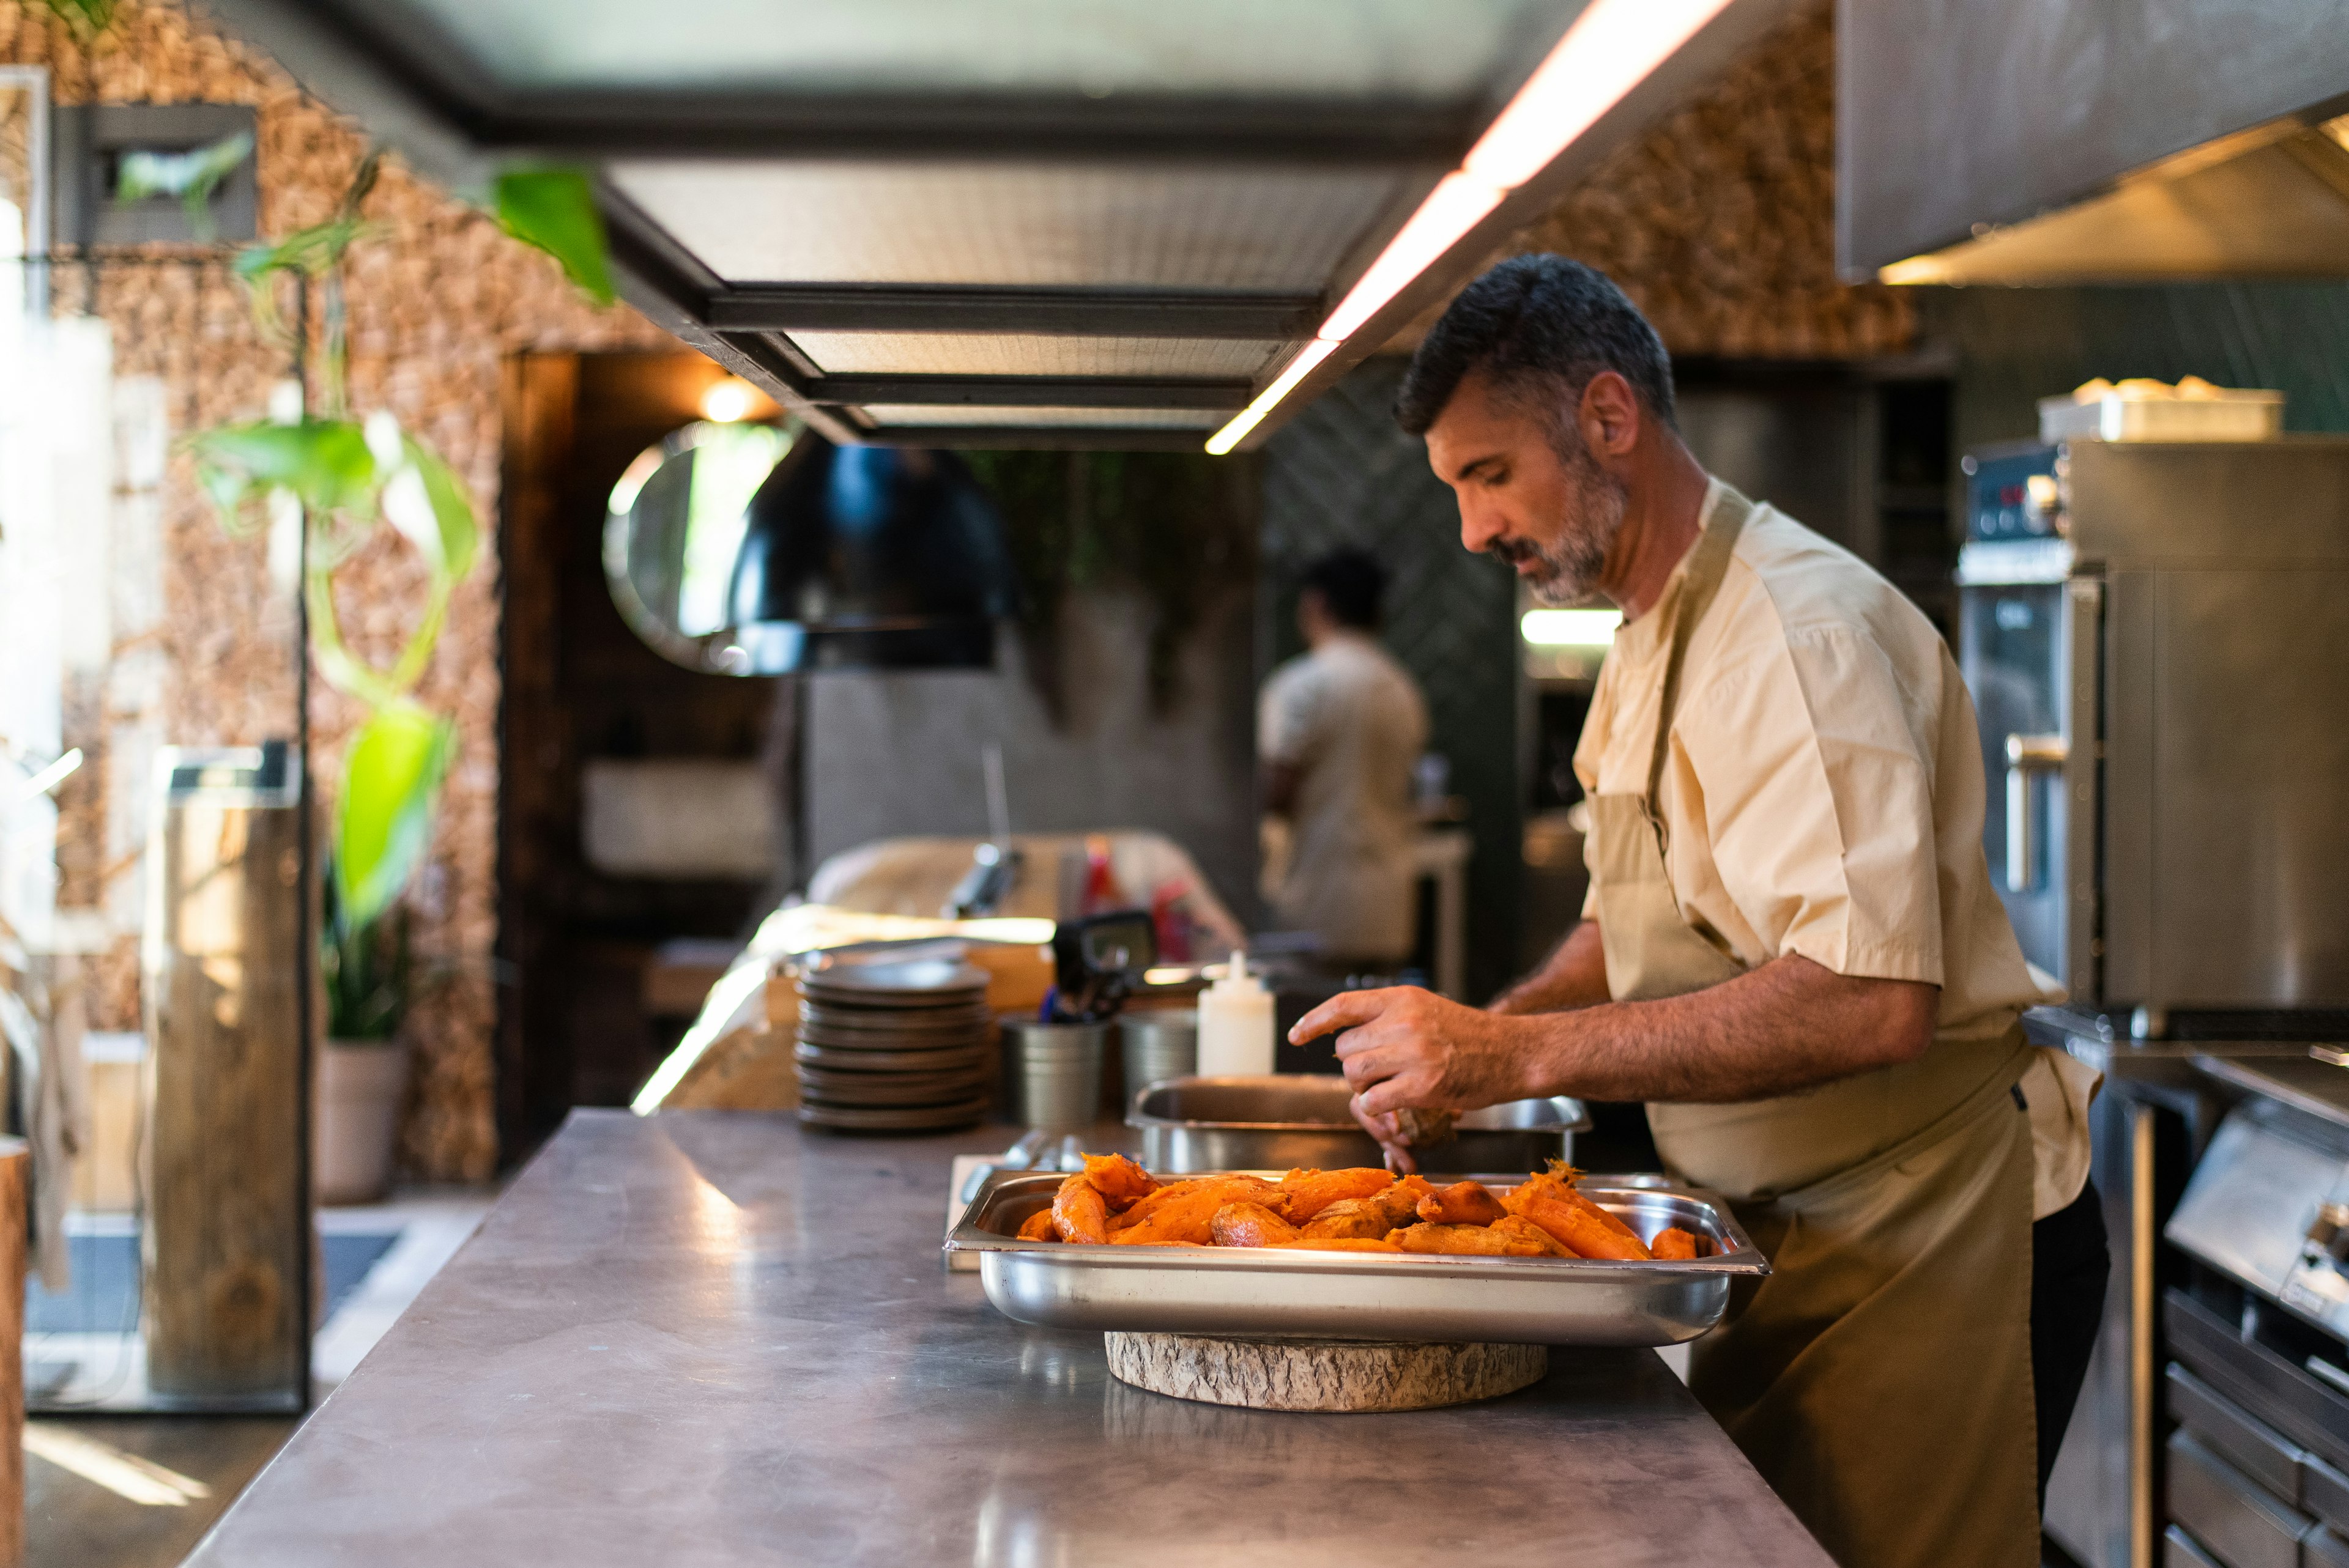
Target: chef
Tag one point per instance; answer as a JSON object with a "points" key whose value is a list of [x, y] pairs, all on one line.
{"points": [[1339, 730], [1791, 949]]}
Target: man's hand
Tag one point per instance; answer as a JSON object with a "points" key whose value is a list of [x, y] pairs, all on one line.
{"points": [[1788, 1026], [1404, 1047]]}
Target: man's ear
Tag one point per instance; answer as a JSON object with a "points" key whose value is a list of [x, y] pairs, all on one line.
{"points": [[1609, 415]]}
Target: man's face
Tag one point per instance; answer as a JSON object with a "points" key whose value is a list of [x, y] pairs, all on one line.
{"points": [[1551, 515]]}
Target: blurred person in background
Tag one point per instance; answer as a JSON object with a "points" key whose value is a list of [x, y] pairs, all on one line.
{"points": [[1338, 731]]}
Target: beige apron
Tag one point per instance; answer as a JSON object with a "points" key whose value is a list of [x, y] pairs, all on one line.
{"points": [[1879, 1378]]}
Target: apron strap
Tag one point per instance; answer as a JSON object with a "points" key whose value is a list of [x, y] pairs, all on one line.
{"points": [[1708, 565]]}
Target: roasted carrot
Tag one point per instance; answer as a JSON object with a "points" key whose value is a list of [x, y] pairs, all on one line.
{"points": [[1461, 1203], [1118, 1179], [1039, 1227], [1672, 1241], [1339, 1244], [1574, 1225], [1310, 1192], [1080, 1211], [1250, 1225], [1474, 1241]]}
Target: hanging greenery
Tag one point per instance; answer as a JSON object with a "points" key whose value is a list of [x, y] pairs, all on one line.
{"points": [[1175, 526]]}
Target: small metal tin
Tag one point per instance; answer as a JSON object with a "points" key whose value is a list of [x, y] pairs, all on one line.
{"points": [[1263, 1293], [1286, 1119]]}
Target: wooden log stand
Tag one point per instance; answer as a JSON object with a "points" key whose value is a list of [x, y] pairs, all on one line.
{"points": [[1334, 1375]]}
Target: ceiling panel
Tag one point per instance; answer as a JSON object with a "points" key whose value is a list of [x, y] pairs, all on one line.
{"points": [[1385, 50], [1031, 354], [978, 417], [1257, 227]]}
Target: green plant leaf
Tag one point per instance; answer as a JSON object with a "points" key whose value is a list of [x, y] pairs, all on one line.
{"points": [[554, 210], [324, 462], [86, 17], [383, 824], [452, 510]]}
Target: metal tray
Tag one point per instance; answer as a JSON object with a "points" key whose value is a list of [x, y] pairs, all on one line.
{"points": [[1262, 1292], [1284, 1120]]}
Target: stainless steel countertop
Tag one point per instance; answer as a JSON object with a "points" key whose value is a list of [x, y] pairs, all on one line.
{"points": [[703, 1339]]}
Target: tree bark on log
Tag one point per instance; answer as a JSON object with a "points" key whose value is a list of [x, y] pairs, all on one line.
{"points": [[1322, 1374]]}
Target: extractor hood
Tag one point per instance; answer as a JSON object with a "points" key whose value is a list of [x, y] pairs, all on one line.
{"points": [[2012, 141]]}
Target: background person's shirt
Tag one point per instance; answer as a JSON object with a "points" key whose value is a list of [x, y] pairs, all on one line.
{"points": [[1823, 794], [1351, 722]]}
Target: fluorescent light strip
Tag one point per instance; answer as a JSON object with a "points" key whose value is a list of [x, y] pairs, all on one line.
{"points": [[1612, 47]]}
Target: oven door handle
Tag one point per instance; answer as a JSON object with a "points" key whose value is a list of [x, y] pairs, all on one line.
{"points": [[2026, 755]]}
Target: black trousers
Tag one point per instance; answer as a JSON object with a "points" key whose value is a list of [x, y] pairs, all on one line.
{"points": [[2070, 1264]]}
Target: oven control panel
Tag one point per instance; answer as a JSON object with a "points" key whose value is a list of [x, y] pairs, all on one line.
{"points": [[2013, 493], [2268, 1205]]}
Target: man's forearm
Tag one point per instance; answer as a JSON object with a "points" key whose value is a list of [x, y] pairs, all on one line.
{"points": [[1573, 975], [1788, 1025]]}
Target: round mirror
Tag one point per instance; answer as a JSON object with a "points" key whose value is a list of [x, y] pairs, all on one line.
{"points": [[672, 530]]}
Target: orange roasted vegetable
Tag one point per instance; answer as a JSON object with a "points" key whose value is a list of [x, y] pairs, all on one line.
{"points": [[1258, 1190], [1461, 1203], [1190, 1217], [1525, 1230], [1672, 1241], [1310, 1192], [1375, 1216], [1080, 1211], [1039, 1227], [1474, 1241], [1573, 1226], [1250, 1225], [1118, 1179], [1558, 1183]]}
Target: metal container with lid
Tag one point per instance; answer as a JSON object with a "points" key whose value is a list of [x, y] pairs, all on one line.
{"points": [[1284, 1120]]}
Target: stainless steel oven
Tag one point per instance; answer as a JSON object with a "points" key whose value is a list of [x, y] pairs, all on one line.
{"points": [[2156, 639]]}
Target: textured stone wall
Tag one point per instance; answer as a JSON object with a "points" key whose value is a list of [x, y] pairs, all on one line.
{"points": [[1720, 222], [438, 298]]}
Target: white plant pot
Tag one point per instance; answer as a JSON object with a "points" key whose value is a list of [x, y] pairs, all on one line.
{"points": [[355, 1130]]}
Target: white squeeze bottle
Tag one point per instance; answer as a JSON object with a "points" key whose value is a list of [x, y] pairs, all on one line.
{"points": [[1234, 1024]]}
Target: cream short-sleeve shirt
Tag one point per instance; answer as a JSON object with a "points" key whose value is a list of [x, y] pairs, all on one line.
{"points": [[1823, 794]]}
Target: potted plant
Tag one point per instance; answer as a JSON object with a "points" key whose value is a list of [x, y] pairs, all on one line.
{"points": [[348, 478], [362, 1067]]}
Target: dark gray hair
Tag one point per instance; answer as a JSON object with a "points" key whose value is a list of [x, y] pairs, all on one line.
{"points": [[1541, 326]]}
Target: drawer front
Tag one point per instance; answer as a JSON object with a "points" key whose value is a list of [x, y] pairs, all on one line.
{"points": [[2325, 1492], [2180, 1549], [2237, 1520], [2257, 1381], [2235, 1435], [2320, 1548]]}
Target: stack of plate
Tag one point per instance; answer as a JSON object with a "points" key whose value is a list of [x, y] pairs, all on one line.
{"points": [[902, 1047]]}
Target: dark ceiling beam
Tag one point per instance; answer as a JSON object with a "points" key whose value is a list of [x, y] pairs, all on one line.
{"points": [[1095, 438], [1055, 312], [1032, 391]]}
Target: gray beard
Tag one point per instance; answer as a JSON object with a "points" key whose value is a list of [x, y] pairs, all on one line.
{"points": [[1567, 572]]}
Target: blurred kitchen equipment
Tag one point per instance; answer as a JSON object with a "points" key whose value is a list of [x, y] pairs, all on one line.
{"points": [[2143, 410], [2153, 633], [995, 864], [1236, 1033], [1052, 1073], [1020, 1156], [1098, 962], [1277, 1121], [1158, 1045], [225, 1251]]}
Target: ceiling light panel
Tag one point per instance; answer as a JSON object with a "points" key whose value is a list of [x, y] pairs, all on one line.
{"points": [[1402, 50], [1252, 227], [1031, 354], [977, 417]]}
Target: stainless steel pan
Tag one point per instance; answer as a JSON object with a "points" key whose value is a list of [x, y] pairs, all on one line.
{"points": [[1264, 1293], [1284, 1120]]}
